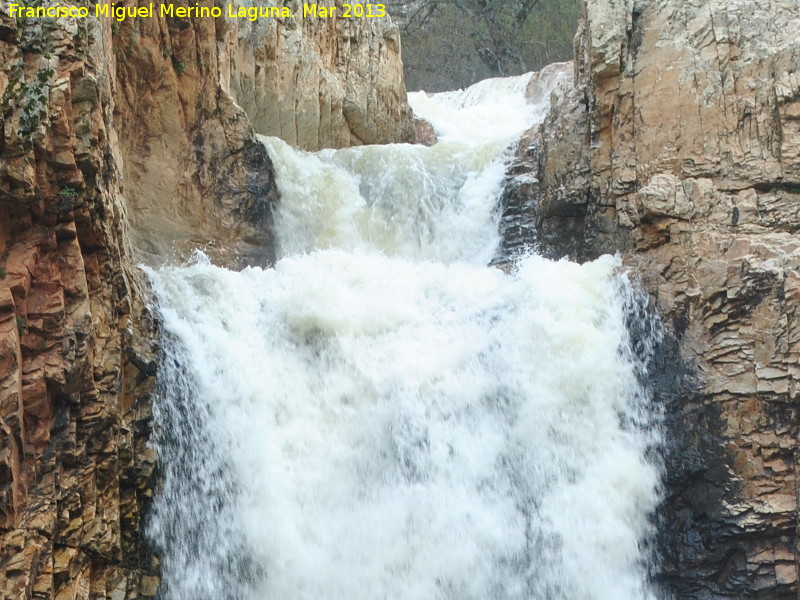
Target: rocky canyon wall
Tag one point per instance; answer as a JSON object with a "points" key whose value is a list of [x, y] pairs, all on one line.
{"points": [[679, 145], [127, 142], [191, 93], [75, 365], [318, 82]]}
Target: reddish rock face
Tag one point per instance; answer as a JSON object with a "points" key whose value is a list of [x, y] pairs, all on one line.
{"points": [[679, 145], [124, 142], [74, 408]]}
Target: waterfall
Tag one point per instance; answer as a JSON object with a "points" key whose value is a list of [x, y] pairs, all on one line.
{"points": [[383, 416]]}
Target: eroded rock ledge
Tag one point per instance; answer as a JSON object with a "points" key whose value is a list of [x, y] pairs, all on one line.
{"points": [[122, 143], [679, 145]]}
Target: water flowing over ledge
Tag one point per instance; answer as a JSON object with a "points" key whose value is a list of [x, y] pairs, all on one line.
{"points": [[492, 109], [383, 416]]}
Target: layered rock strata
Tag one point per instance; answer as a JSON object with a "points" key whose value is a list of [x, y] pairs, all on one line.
{"points": [[125, 142], [75, 366], [318, 82], [679, 145]]}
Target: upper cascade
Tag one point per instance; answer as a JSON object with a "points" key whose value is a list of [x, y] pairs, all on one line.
{"points": [[412, 201], [492, 108]]}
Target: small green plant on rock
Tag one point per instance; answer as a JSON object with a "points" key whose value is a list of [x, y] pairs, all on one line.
{"points": [[67, 197], [68, 192], [12, 91], [36, 106], [21, 327]]}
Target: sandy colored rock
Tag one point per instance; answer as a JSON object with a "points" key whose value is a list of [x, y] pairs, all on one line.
{"points": [[318, 82]]}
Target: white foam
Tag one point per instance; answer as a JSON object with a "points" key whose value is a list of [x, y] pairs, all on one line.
{"points": [[493, 108], [417, 430], [383, 416]]}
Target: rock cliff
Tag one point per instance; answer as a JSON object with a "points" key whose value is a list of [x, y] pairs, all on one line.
{"points": [[75, 365], [125, 142], [679, 145], [318, 82]]}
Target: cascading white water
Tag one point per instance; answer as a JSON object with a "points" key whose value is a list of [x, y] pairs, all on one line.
{"points": [[491, 110], [382, 416]]}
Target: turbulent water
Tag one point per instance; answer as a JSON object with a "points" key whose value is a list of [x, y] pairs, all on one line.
{"points": [[382, 416]]}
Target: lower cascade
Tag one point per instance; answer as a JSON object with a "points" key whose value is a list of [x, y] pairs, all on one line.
{"points": [[383, 416]]}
